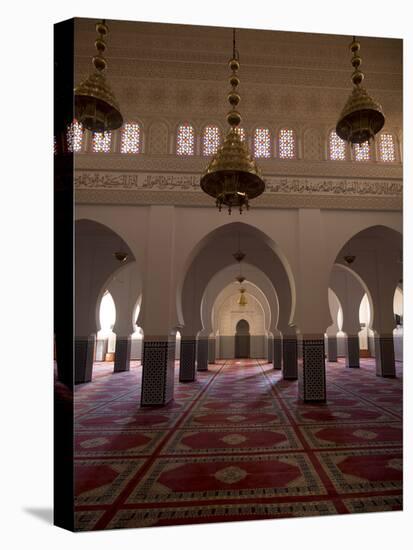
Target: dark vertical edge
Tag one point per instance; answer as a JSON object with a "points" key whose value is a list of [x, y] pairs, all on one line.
{"points": [[63, 429]]}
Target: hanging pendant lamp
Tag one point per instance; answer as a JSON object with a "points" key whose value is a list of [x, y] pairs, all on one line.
{"points": [[242, 300], [232, 177], [95, 104], [362, 117]]}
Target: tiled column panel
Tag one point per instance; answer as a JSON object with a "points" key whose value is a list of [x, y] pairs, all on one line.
{"points": [[311, 369], [385, 362], [202, 354], [122, 354], [270, 349], [158, 372], [212, 350], [277, 353], [187, 362], [84, 355], [289, 358], [332, 348], [352, 351]]}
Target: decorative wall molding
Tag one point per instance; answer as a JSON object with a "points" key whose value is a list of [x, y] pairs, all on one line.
{"points": [[273, 167], [281, 192]]}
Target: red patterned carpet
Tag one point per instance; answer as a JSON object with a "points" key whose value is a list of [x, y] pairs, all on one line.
{"points": [[236, 444]]}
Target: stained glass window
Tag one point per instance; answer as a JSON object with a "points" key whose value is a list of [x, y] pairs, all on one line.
{"points": [[185, 140], [74, 137], [241, 133], [337, 147], [262, 143], [102, 142], [211, 140], [131, 134], [286, 144], [362, 151], [387, 149]]}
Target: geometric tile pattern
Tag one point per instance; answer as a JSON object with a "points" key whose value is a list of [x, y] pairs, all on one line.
{"points": [[157, 380], [202, 354], [187, 365], [311, 369], [277, 353], [289, 358], [236, 444]]}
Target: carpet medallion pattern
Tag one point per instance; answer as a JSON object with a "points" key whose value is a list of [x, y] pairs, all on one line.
{"points": [[236, 444]]}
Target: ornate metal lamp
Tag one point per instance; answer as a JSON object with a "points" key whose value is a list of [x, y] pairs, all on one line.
{"points": [[362, 117], [232, 176], [95, 104], [242, 300]]}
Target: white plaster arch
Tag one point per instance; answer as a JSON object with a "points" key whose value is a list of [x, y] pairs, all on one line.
{"points": [[255, 279], [213, 252]]}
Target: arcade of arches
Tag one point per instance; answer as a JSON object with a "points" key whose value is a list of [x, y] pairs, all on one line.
{"points": [[169, 365], [181, 303]]}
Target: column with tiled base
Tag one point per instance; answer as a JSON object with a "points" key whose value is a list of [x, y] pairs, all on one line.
{"points": [[332, 348], [384, 351], [122, 354], [270, 350], [277, 353], [211, 350], [84, 356], [187, 361], [158, 364], [289, 358], [352, 348], [311, 368], [202, 354]]}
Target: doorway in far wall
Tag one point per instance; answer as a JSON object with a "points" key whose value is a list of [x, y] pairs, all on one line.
{"points": [[242, 339]]}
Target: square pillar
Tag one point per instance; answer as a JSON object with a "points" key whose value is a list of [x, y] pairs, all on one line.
{"points": [[277, 353], [187, 361], [122, 354], [352, 348], [270, 350], [384, 351], [311, 368], [158, 372], [84, 356], [332, 348], [202, 354], [289, 358], [212, 350]]}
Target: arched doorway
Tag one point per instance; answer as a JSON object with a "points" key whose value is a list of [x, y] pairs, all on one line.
{"points": [[242, 339]]}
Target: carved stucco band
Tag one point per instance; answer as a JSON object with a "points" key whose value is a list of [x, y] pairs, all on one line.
{"points": [[182, 198]]}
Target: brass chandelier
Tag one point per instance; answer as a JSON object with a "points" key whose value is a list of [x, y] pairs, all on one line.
{"points": [[95, 104], [232, 176], [242, 300], [362, 117]]}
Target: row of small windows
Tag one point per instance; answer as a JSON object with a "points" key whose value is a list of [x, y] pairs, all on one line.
{"points": [[285, 146]]}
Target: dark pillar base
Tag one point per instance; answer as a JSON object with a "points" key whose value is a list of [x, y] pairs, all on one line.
{"points": [[332, 348], [385, 363], [211, 350], [187, 362], [202, 354], [311, 369], [84, 355], [158, 372], [352, 352], [122, 354], [289, 358], [270, 349], [277, 353]]}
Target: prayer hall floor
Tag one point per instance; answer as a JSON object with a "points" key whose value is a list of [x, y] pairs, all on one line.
{"points": [[236, 444]]}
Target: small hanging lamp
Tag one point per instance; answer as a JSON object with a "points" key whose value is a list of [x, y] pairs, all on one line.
{"points": [[95, 104], [362, 117], [242, 300], [232, 176]]}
